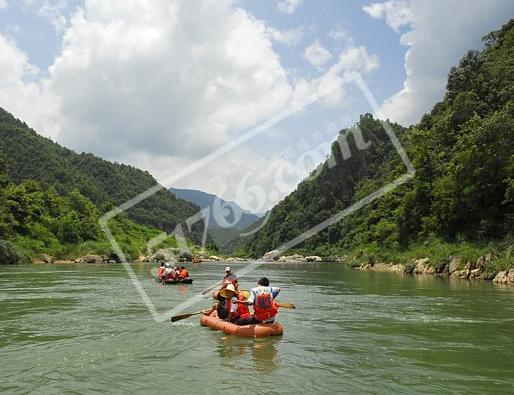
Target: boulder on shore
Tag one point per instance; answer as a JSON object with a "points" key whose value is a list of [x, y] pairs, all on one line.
{"points": [[505, 277], [454, 264], [43, 258], [313, 258], [91, 258], [422, 266], [214, 258], [272, 255], [292, 258]]}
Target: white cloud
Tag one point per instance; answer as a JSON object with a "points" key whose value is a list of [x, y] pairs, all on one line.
{"points": [[3, 4], [339, 33], [53, 10], [173, 78], [20, 95], [396, 12], [350, 59], [287, 37], [289, 6], [245, 176], [316, 54], [440, 34], [158, 86]]}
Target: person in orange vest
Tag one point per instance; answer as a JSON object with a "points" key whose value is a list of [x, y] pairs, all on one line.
{"points": [[160, 271], [232, 310], [262, 298], [183, 272]]}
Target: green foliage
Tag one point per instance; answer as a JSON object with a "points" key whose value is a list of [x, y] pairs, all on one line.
{"points": [[10, 254], [462, 194], [28, 156]]}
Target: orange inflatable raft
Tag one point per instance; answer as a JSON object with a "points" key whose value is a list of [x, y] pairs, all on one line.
{"points": [[257, 330]]}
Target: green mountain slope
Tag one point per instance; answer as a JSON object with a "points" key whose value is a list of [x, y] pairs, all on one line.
{"points": [[30, 156], [463, 189]]}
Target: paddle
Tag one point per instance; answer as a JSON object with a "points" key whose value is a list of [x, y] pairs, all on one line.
{"points": [[206, 290], [183, 316], [286, 305]]}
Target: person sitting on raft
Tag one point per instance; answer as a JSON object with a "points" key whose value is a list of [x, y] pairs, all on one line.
{"points": [[183, 273], [262, 298], [170, 273], [160, 272], [228, 308]]}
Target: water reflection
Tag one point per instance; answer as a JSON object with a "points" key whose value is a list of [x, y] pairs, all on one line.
{"points": [[262, 350]]}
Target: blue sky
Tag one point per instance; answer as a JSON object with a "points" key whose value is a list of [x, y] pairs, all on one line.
{"points": [[161, 84]]}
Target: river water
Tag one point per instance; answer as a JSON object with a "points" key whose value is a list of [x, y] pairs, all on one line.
{"points": [[84, 328]]}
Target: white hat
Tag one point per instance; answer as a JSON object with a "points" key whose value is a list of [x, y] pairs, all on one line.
{"points": [[227, 269]]}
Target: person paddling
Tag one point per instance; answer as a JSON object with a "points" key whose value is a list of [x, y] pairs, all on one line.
{"points": [[262, 298], [234, 310], [229, 278]]}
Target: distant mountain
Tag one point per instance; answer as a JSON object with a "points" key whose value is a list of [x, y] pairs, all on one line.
{"points": [[30, 156], [224, 219]]}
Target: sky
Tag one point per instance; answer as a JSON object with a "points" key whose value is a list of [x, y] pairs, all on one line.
{"points": [[240, 98]]}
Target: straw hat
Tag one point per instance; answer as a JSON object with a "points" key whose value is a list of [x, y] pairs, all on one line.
{"points": [[229, 287]]}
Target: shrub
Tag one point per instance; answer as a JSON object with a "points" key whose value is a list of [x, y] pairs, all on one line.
{"points": [[10, 255]]}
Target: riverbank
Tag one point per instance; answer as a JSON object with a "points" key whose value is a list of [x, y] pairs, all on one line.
{"points": [[471, 271], [492, 262]]}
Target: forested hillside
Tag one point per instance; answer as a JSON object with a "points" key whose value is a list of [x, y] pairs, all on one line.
{"points": [[463, 188], [30, 156]]}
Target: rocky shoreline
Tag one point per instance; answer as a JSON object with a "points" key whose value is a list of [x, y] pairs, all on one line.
{"points": [[158, 257], [453, 267]]}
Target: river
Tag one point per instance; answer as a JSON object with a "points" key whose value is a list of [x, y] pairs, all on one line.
{"points": [[80, 328]]}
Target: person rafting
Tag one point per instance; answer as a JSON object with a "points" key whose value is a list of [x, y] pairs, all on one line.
{"points": [[229, 278], [170, 273], [233, 310], [183, 273], [160, 271], [262, 298]]}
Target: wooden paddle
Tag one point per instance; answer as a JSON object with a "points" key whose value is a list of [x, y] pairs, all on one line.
{"points": [[206, 290], [286, 305], [183, 316]]}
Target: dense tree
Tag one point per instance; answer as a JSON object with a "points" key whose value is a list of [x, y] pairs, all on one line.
{"points": [[463, 153], [29, 156]]}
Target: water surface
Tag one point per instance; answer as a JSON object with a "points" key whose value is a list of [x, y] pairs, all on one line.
{"points": [[83, 328]]}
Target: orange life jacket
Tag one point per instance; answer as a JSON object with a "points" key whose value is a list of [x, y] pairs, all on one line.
{"points": [[160, 271], [184, 273], [242, 309], [264, 307]]}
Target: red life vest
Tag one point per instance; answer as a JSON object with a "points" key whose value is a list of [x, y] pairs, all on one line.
{"points": [[264, 307], [160, 271], [242, 309], [184, 273]]}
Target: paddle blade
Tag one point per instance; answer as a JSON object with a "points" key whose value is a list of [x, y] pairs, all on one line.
{"points": [[286, 305], [183, 316]]}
